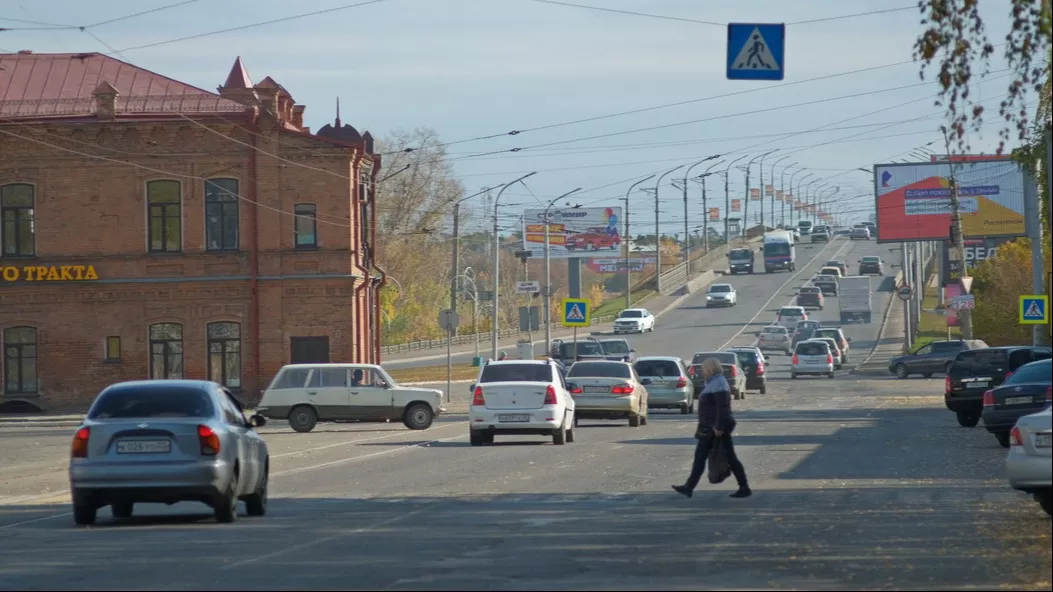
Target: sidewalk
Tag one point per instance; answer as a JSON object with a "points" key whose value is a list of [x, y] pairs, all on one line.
{"points": [[47, 420], [890, 340]]}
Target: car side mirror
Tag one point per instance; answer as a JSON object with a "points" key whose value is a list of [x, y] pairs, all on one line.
{"points": [[646, 382], [632, 351], [257, 420]]}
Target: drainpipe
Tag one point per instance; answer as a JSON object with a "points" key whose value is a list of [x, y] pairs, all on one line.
{"points": [[254, 259], [373, 256], [361, 347]]}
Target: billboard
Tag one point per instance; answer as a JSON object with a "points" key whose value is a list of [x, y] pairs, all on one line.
{"points": [[573, 232], [714, 214], [976, 252], [913, 200], [617, 264], [736, 205], [755, 193]]}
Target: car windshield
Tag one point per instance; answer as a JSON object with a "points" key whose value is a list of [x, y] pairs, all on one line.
{"points": [[630, 314], [615, 347], [741, 254], [777, 250], [585, 348], [600, 370], [813, 349], [724, 357], [719, 288], [790, 312], [516, 373], [657, 368], [829, 341], [810, 291], [1039, 372], [152, 401]]}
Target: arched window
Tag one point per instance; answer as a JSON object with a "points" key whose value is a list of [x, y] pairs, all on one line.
{"points": [[221, 215], [20, 361], [164, 205], [166, 351], [224, 354], [18, 230]]}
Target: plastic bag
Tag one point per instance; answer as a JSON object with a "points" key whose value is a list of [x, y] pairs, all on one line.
{"points": [[719, 467]]}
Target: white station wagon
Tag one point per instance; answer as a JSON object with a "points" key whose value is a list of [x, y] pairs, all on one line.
{"points": [[308, 393]]}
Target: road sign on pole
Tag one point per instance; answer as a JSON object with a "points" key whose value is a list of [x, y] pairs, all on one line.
{"points": [[528, 287], [963, 302], [756, 51], [1034, 309], [576, 312], [905, 292], [449, 319]]}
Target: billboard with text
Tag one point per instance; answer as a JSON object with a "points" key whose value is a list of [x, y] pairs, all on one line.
{"points": [[914, 200], [573, 232]]}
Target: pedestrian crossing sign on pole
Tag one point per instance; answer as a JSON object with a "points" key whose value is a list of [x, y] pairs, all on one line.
{"points": [[1034, 310], [756, 51], [576, 312]]}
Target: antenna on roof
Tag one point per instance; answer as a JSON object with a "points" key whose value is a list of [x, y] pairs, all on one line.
{"points": [[338, 125]]}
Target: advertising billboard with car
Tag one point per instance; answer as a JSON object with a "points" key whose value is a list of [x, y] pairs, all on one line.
{"points": [[573, 232], [914, 200]]}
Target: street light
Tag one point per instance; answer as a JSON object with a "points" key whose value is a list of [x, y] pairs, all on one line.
{"points": [[797, 193], [727, 200], [772, 200], [548, 272], [456, 255], [687, 235], [746, 210], [782, 188], [495, 312], [657, 233], [628, 270], [705, 205]]}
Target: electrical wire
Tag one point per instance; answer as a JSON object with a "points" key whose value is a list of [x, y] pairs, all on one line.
{"points": [[145, 12]]}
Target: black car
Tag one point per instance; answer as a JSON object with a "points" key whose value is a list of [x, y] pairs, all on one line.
{"points": [[826, 283], [1027, 390], [740, 260], [871, 266], [752, 363], [617, 350], [805, 330], [932, 357], [977, 371], [820, 233]]}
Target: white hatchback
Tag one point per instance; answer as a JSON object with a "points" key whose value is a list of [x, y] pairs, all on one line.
{"points": [[789, 316], [521, 397], [812, 358]]}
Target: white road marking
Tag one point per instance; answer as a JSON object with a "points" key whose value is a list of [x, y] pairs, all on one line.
{"points": [[24, 522]]}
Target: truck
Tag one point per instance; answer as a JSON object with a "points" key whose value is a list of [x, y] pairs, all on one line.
{"points": [[779, 252], [854, 299]]}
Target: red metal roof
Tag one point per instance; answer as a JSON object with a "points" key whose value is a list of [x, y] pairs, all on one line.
{"points": [[62, 85]]}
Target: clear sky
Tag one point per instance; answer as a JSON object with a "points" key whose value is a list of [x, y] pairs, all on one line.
{"points": [[470, 68]]}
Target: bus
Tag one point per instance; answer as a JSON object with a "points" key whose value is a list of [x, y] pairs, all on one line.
{"points": [[779, 252]]}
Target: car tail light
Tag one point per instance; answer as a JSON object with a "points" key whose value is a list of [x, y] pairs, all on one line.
{"points": [[760, 368], [80, 443], [734, 371], [691, 371], [829, 358], [1015, 439], [622, 389], [550, 396], [682, 382], [989, 399], [209, 440], [575, 390], [794, 360], [947, 384], [477, 397]]}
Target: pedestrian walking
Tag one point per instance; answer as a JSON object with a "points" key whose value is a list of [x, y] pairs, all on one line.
{"points": [[715, 425]]}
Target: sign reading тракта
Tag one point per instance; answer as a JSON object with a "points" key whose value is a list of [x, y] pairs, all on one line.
{"points": [[48, 273]]}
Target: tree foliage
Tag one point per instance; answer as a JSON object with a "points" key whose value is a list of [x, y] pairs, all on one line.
{"points": [[956, 42], [998, 283]]}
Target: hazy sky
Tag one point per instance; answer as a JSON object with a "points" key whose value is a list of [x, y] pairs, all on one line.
{"points": [[469, 68]]}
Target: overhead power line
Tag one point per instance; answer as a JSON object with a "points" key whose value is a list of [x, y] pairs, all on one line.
{"points": [[716, 24], [145, 12]]}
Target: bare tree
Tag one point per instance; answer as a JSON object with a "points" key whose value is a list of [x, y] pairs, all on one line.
{"points": [[420, 199]]}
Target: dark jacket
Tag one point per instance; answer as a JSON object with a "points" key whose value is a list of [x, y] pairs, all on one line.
{"points": [[714, 406]]}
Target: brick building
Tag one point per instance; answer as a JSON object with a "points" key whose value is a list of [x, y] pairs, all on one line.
{"points": [[154, 229]]}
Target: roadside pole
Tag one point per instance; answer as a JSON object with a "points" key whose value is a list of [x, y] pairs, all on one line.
{"points": [[1033, 219], [908, 337]]}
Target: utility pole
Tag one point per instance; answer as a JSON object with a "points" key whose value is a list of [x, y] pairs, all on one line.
{"points": [[1033, 218], [456, 255], [657, 231], [727, 201], [687, 234], [547, 290], [965, 315], [628, 240], [495, 313]]}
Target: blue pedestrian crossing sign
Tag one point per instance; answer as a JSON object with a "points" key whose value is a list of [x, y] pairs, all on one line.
{"points": [[576, 312], [756, 51], [1034, 310]]}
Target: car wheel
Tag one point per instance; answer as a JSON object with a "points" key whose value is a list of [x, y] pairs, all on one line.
{"points": [[122, 510], [256, 502], [570, 433], [1045, 499], [967, 419], [303, 419], [84, 515], [634, 421], [475, 437], [488, 437], [926, 375], [1003, 439], [418, 417], [227, 506], [643, 420], [763, 390], [559, 437], [901, 371], [684, 409]]}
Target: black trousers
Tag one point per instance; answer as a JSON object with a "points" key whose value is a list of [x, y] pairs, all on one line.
{"points": [[705, 445]]}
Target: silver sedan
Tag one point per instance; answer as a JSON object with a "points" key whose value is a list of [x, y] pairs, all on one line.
{"points": [[1029, 464], [167, 441]]}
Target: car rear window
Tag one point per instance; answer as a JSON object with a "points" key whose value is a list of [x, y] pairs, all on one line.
{"points": [[657, 368], [724, 357], [746, 356], [585, 348], [775, 330], [1040, 372], [152, 401], [831, 333], [599, 370], [516, 373], [871, 260], [810, 291], [615, 347], [813, 349], [985, 359]]}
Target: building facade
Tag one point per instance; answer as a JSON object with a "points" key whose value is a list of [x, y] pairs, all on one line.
{"points": [[154, 229]]}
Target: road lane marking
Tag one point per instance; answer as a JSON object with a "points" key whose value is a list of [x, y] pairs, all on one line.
{"points": [[34, 520]]}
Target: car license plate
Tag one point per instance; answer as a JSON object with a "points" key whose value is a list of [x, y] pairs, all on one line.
{"points": [[597, 389], [1042, 441], [978, 384], [1018, 400], [513, 418], [144, 447]]}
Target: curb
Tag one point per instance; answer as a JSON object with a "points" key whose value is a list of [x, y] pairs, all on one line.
{"points": [[859, 370]]}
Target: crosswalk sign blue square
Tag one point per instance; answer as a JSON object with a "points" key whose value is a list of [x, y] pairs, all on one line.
{"points": [[576, 312], [756, 51], [1034, 309]]}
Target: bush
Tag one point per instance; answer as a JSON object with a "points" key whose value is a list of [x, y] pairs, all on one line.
{"points": [[998, 284]]}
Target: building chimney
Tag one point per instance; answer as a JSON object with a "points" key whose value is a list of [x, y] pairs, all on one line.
{"points": [[269, 102], [106, 101], [297, 118]]}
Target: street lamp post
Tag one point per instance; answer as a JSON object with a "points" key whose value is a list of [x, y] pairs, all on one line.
{"points": [[657, 232], [772, 200], [456, 255], [749, 197], [797, 194], [786, 197], [475, 305], [627, 241], [548, 272], [495, 312], [687, 235], [705, 207], [727, 200]]}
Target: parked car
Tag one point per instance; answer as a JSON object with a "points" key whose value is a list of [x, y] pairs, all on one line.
{"points": [[607, 390], [931, 358], [164, 442], [1027, 390], [860, 232], [775, 337], [811, 297], [789, 316], [812, 358], [634, 320], [871, 266], [521, 397], [568, 352], [721, 295], [733, 372], [752, 360], [843, 343], [841, 265], [805, 330], [305, 394], [668, 384], [826, 283], [1028, 463], [617, 350], [976, 371]]}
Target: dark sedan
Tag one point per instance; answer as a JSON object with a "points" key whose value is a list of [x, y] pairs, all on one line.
{"points": [[931, 358], [826, 283], [1028, 390], [871, 266], [617, 350], [810, 297]]}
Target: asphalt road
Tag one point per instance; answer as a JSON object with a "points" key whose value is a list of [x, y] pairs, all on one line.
{"points": [[860, 484]]}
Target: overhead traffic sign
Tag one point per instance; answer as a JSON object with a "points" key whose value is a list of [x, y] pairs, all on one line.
{"points": [[756, 51], [905, 292], [1034, 309], [576, 312]]}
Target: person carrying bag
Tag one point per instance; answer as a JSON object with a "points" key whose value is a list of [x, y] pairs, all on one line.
{"points": [[715, 425]]}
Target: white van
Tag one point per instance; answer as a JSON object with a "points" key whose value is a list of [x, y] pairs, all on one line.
{"points": [[305, 394]]}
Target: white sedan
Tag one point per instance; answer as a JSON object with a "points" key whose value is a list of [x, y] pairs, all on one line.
{"points": [[721, 295], [1028, 463], [634, 320], [520, 397]]}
